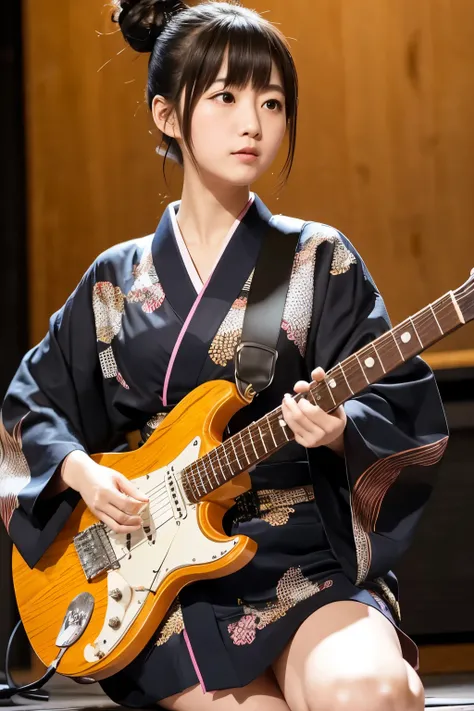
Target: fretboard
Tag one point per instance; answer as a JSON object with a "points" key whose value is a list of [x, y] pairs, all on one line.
{"points": [[371, 363]]}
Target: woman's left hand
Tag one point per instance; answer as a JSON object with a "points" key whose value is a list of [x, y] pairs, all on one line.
{"points": [[312, 426]]}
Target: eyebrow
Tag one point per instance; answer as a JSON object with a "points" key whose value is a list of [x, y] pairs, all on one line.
{"points": [[269, 87]]}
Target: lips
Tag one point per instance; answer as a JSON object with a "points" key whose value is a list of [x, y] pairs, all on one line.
{"points": [[247, 152]]}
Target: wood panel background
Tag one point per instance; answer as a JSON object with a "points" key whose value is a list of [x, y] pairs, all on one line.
{"points": [[385, 144]]}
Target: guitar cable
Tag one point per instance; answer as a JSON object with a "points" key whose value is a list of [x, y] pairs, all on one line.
{"points": [[28, 691]]}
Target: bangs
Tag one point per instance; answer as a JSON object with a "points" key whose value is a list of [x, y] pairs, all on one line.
{"points": [[251, 49], [250, 58]]}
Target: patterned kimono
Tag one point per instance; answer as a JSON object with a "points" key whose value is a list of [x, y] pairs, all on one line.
{"points": [[137, 335]]}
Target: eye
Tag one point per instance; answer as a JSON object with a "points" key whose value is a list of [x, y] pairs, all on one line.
{"points": [[226, 96], [276, 105]]}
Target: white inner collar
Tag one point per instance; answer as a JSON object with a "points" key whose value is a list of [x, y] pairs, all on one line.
{"points": [[184, 252]]}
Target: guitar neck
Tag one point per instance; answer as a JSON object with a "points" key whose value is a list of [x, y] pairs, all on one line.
{"points": [[371, 363]]}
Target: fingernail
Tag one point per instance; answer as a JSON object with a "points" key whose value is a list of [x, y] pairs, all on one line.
{"points": [[287, 396]]}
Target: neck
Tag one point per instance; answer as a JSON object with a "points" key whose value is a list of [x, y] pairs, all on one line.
{"points": [[207, 212], [369, 364]]}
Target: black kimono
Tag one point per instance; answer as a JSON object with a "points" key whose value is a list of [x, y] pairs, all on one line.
{"points": [[140, 332]]}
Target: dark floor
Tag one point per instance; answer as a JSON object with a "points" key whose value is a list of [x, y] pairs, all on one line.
{"points": [[65, 694]]}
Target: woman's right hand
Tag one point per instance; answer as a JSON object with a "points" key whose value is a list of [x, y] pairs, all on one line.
{"points": [[109, 495]]}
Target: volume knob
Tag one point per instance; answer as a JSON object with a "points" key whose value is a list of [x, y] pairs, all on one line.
{"points": [[114, 622]]}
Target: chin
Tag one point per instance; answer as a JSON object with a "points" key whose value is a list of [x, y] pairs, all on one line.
{"points": [[244, 176], [235, 176]]}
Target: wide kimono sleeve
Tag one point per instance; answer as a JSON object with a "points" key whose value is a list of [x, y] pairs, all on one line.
{"points": [[54, 405], [370, 499]]}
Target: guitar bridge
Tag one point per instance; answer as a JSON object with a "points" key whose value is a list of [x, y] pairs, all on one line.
{"points": [[95, 551]]}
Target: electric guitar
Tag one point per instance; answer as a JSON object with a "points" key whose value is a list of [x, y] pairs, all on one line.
{"points": [[191, 478]]}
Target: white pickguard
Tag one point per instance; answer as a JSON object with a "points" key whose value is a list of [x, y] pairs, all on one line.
{"points": [[177, 541]]}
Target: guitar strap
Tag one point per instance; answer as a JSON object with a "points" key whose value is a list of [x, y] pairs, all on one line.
{"points": [[256, 355]]}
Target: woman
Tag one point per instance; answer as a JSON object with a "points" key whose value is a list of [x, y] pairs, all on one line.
{"points": [[311, 623]]}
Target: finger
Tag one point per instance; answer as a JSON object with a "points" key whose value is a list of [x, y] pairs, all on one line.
{"points": [[315, 414], [318, 374], [340, 413], [127, 487], [123, 502], [121, 517], [296, 419], [111, 523], [327, 424], [304, 437], [301, 386]]}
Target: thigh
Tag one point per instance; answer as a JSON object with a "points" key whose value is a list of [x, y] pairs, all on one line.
{"points": [[262, 694], [347, 655]]}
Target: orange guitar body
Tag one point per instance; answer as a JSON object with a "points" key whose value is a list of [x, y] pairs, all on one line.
{"points": [[44, 593]]}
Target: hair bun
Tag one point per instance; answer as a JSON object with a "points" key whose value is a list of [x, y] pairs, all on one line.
{"points": [[142, 21]]}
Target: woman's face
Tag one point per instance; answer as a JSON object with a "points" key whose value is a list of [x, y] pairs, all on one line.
{"points": [[227, 120]]}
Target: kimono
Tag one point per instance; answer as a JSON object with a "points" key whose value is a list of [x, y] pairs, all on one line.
{"points": [[140, 332]]}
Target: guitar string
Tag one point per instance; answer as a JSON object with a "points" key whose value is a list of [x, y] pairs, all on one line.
{"points": [[387, 341], [263, 425], [215, 456]]}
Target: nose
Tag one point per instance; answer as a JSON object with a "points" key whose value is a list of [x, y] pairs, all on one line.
{"points": [[249, 120]]}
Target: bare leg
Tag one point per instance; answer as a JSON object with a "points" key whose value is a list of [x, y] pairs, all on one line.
{"points": [[262, 694], [347, 656]]}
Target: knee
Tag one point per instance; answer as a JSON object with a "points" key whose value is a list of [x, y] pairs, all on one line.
{"points": [[392, 693]]}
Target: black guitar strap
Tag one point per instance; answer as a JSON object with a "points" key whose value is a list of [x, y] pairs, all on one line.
{"points": [[256, 355]]}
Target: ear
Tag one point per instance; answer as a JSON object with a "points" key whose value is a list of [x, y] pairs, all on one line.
{"points": [[165, 117]]}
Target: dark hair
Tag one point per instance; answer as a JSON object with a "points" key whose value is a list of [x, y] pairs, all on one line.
{"points": [[188, 45]]}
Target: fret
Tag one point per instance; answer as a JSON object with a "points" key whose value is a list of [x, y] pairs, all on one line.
{"points": [[278, 433], [263, 441], [362, 369], [231, 440], [427, 326], [329, 388], [251, 440], [398, 347], [435, 318], [209, 459], [392, 357], [378, 355], [459, 313], [191, 480], [243, 447], [345, 378], [229, 466], [259, 443], [194, 482], [406, 339], [205, 462], [336, 387], [283, 427], [354, 375], [270, 427], [371, 363], [199, 475], [320, 394], [417, 334], [448, 313]]}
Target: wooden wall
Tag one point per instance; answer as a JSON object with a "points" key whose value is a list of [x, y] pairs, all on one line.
{"points": [[386, 146]]}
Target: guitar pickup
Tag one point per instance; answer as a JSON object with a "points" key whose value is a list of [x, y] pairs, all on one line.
{"points": [[176, 497]]}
